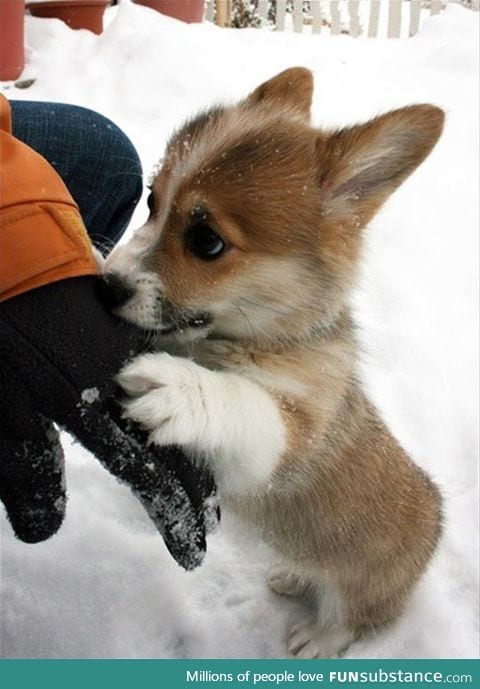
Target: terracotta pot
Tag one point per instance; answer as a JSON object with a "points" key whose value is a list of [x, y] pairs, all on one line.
{"points": [[186, 10], [12, 58], [78, 14]]}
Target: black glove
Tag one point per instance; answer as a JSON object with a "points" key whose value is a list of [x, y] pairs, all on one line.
{"points": [[59, 352]]}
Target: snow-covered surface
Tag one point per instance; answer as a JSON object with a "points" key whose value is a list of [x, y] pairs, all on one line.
{"points": [[105, 585]]}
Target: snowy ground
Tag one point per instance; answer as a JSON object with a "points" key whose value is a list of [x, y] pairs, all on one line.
{"points": [[105, 585]]}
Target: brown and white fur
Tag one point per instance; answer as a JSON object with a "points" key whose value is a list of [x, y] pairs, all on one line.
{"points": [[261, 378]]}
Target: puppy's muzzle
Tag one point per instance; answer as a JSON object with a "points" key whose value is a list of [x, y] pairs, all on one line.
{"points": [[155, 314]]}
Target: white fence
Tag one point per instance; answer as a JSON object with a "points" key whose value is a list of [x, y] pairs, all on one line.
{"points": [[372, 18]]}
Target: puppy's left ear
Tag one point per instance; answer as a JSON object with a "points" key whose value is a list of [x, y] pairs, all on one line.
{"points": [[359, 167], [292, 88]]}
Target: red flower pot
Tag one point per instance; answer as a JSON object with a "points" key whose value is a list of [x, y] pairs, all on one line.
{"points": [[186, 10], [12, 57], [78, 14]]}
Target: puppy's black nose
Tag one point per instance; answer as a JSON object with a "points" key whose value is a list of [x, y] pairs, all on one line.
{"points": [[113, 291]]}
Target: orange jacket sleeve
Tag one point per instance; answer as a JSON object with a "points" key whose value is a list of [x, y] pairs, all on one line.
{"points": [[42, 235]]}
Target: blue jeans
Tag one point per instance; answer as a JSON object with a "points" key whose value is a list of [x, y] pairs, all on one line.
{"points": [[95, 159]]}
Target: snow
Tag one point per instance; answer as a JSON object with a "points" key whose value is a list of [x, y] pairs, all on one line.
{"points": [[105, 586], [90, 395]]}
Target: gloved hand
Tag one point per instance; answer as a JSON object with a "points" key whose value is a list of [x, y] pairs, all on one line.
{"points": [[59, 352]]}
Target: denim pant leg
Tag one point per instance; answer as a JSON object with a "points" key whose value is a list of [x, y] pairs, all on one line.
{"points": [[95, 159]]}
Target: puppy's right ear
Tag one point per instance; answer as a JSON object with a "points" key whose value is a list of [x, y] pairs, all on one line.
{"points": [[292, 88]]}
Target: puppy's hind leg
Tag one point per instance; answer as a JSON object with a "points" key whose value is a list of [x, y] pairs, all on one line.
{"points": [[326, 634]]}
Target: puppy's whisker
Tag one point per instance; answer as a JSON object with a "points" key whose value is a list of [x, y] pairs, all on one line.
{"points": [[248, 323], [260, 305], [104, 244], [267, 337]]}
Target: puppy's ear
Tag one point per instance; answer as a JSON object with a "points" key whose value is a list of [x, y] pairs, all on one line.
{"points": [[359, 167], [292, 88]]}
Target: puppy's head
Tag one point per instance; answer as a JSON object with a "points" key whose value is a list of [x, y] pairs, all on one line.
{"points": [[256, 217]]}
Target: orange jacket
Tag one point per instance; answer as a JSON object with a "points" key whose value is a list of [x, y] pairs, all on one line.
{"points": [[42, 235]]}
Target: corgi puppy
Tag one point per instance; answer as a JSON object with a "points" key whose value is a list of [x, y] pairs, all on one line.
{"points": [[243, 273]]}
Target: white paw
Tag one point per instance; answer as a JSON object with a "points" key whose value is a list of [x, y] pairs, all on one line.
{"points": [[167, 398], [285, 583], [308, 640], [226, 420]]}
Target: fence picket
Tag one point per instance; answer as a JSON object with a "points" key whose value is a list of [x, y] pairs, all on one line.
{"points": [[298, 16], [415, 8], [373, 20], [316, 16], [394, 19], [354, 29], [224, 12], [280, 15], [263, 11], [335, 15]]}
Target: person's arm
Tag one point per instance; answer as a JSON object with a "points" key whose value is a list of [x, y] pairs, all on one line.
{"points": [[59, 352]]}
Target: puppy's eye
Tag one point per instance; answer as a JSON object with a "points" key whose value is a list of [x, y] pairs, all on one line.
{"points": [[204, 242]]}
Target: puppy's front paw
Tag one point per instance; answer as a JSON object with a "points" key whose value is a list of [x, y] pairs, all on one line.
{"points": [[167, 398]]}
